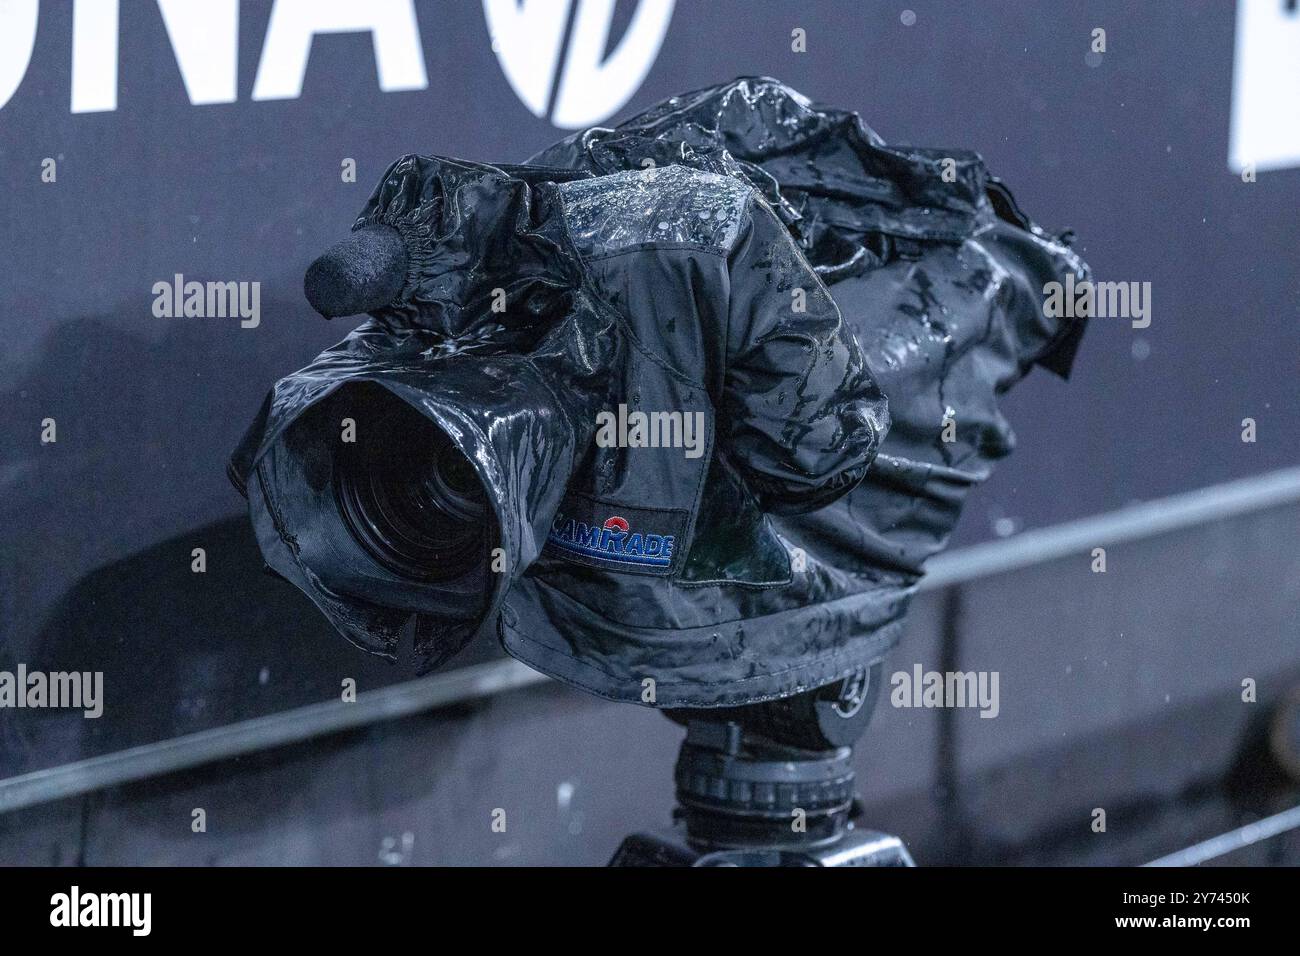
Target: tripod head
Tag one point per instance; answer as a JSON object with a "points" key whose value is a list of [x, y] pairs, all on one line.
{"points": [[771, 784]]}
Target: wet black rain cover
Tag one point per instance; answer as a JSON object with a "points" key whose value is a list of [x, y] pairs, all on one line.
{"points": [[935, 269], [487, 379], [667, 286], [661, 292]]}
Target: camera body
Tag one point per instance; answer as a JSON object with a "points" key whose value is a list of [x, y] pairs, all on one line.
{"points": [[571, 428], [608, 411]]}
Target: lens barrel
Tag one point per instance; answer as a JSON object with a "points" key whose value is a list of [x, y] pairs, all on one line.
{"points": [[410, 498]]}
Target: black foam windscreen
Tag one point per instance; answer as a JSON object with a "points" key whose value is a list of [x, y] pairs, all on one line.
{"points": [[362, 273]]}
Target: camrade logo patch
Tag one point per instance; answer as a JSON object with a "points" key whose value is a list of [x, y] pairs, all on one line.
{"points": [[543, 46], [613, 541], [640, 540]]}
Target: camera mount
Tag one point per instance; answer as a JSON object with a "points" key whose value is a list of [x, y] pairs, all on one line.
{"points": [[771, 784]]}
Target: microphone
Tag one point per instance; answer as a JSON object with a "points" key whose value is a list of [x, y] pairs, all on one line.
{"points": [[364, 272]]}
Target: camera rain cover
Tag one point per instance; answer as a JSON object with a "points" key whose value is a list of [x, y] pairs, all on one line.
{"points": [[661, 350], [652, 310], [936, 271], [513, 390]]}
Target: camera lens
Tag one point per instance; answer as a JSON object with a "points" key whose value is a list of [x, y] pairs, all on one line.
{"points": [[410, 498]]}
